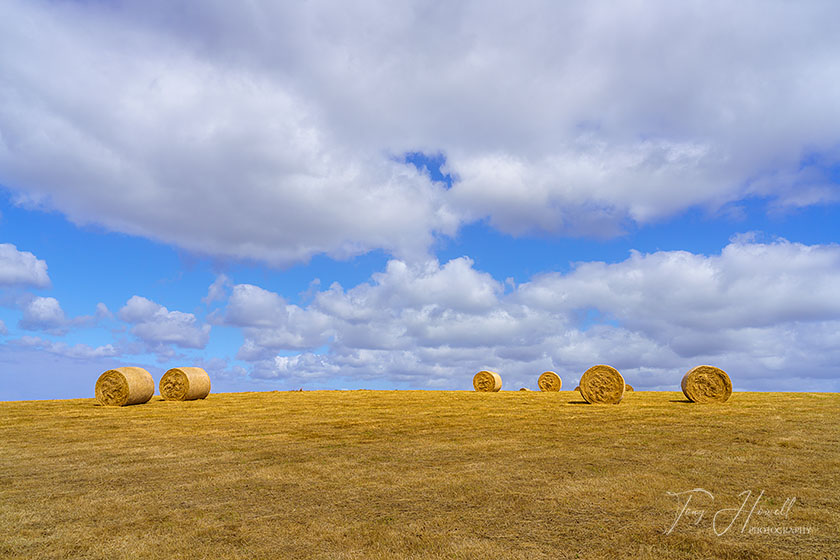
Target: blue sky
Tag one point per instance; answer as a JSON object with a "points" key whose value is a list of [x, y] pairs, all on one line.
{"points": [[332, 196]]}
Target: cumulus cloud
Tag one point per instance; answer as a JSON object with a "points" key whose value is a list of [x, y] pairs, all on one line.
{"points": [[156, 325], [270, 324], [46, 314], [749, 285], [43, 313], [566, 119], [187, 135], [21, 268], [768, 312]]}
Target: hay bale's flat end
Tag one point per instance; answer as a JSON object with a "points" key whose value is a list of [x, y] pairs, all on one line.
{"points": [[185, 384], [602, 384], [706, 384], [549, 382], [487, 382], [124, 386]]}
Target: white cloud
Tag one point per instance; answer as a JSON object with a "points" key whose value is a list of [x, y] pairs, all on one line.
{"points": [[241, 151], [46, 314], [218, 289], [43, 313], [749, 285], [157, 326], [76, 351], [767, 312], [253, 306], [102, 312], [563, 118], [270, 324], [21, 267], [138, 309], [3, 329]]}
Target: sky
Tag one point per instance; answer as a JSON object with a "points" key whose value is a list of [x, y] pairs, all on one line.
{"points": [[396, 195]]}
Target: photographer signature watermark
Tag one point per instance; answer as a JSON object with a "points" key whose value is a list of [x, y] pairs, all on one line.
{"points": [[746, 515]]}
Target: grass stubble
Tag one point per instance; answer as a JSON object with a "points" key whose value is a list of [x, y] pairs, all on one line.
{"points": [[415, 474]]}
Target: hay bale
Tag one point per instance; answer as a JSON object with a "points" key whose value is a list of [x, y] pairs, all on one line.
{"points": [[185, 384], [704, 384], [524, 389], [602, 385], [577, 388], [628, 388], [125, 385], [487, 382], [549, 381]]}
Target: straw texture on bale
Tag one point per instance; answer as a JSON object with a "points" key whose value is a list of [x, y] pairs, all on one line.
{"points": [[185, 384], [628, 388], [602, 385], [125, 385], [704, 384], [487, 382], [549, 381]]}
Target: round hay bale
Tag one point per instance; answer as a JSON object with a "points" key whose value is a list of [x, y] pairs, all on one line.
{"points": [[524, 389], [125, 385], [704, 384], [602, 385], [549, 381], [577, 388], [185, 384], [487, 382], [628, 388]]}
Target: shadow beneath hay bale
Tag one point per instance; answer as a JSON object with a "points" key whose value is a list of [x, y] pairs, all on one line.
{"points": [[682, 401], [578, 402]]}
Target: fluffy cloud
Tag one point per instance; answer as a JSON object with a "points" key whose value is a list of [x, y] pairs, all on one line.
{"points": [[46, 314], [749, 285], [22, 268], [270, 324], [43, 313], [186, 135], [566, 119], [767, 312], [156, 325]]}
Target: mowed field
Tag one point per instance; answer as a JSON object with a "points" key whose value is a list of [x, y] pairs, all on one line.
{"points": [[421, 474]]}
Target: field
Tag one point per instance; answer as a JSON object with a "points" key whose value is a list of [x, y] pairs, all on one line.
{"points": [[422, 474]]}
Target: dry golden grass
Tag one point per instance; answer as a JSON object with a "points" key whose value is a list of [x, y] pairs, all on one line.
{"points": [[413, 474]]}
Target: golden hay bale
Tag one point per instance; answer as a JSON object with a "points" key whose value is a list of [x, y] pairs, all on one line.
{"points": [[549, 381], [703, 384], [602, 385], [125, 385], [524, 389], [487, 382], [577, 388], [185, 384], [628, 388]]}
